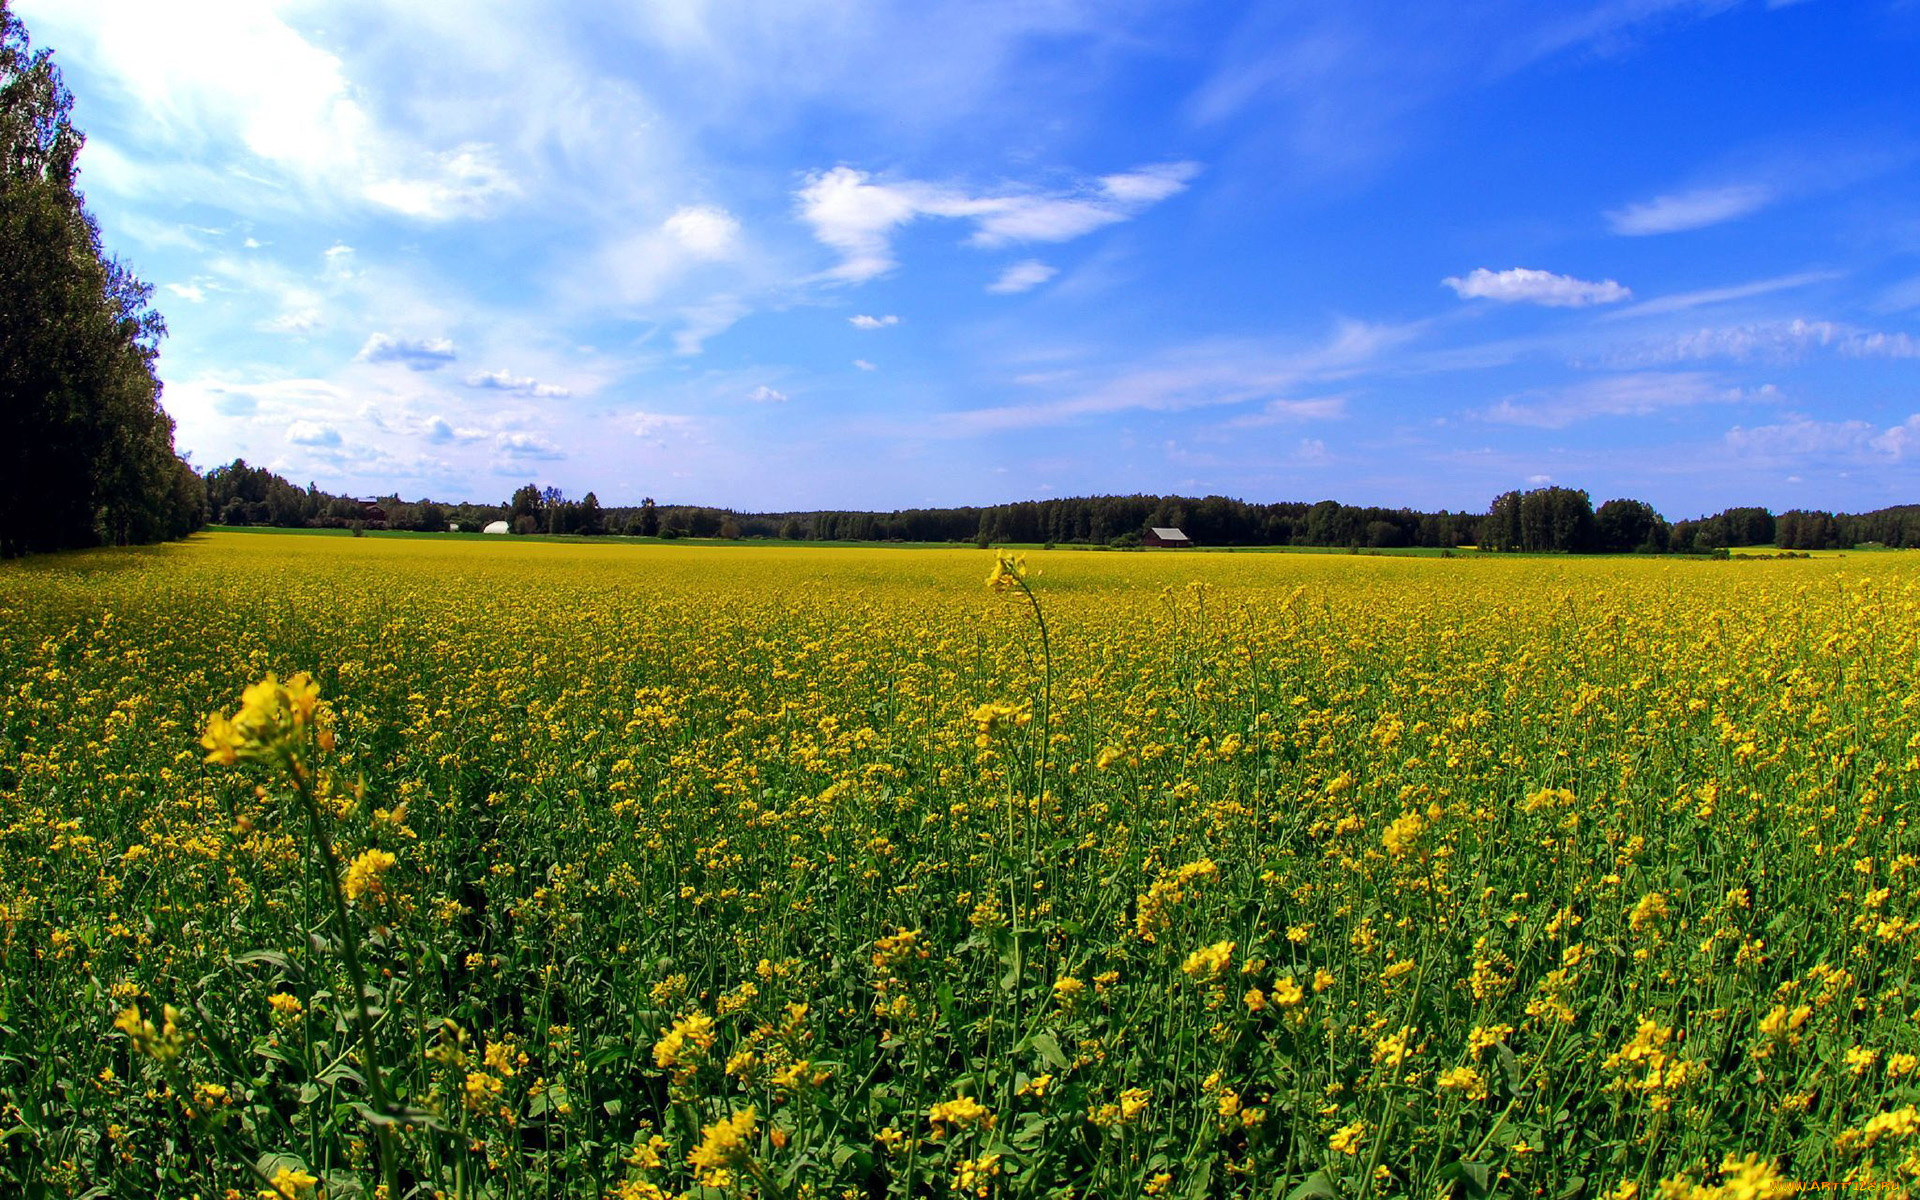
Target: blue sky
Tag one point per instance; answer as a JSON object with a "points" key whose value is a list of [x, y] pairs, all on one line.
{"points": [[800, 253]]}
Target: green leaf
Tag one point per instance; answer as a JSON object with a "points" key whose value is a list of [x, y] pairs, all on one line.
{"points": [[1318, 1184], [1049, 1050], [272, 958], [1511, 1065]]}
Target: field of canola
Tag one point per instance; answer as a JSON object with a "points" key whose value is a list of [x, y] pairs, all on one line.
{"points": [[720, 871]]}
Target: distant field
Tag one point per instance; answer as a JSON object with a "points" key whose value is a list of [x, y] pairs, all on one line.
{"points": [[779, 871]]}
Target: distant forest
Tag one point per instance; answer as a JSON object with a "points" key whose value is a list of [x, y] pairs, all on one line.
{"points": [[1550, 519]]}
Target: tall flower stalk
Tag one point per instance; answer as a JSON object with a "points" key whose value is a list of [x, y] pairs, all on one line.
{"points": [[286, 726]]}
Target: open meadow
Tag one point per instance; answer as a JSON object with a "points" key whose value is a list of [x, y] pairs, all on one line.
{"points": [[772, 871]]}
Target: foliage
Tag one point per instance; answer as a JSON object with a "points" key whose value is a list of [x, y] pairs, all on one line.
{"points": [[86, 452], [781, 873]]}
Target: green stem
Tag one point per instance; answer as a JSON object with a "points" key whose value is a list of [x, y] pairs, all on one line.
{"points": [[356, 977]]}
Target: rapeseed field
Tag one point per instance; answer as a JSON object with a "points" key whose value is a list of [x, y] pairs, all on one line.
{"points": [[372, 867]]}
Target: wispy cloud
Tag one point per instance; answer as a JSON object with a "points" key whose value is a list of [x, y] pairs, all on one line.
{"points": [[1803, 437], [1694, 209], [855, 214], [1634, 395], [1525, 285], [1022, 277], [866, 322], [417, 354], [766, 395], [1770, 341], [245, 80], [506, 381], [1206, 375], [701, 322], [1681, 301]]}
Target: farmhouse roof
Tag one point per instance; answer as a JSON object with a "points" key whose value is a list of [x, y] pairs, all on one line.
{"points": [[1169, 535]]}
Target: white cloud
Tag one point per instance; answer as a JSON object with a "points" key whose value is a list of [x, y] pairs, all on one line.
{"points": [[1773, 341], [858, 216], [1539, 480], [1022, 276], [866, 322], [418, 354], [639, 267], [440, 430], [1631, 395], [1149, 185], [864, 365], [526, 446], [236, 76], [1803, 437], [192, 293], [312, 433], [506, 381], [704, 231], [1523, 284], [766, 395], [1690, 210]]}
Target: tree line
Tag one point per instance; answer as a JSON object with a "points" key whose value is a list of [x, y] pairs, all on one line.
{"points": [[1543, 520], [86, 451]]}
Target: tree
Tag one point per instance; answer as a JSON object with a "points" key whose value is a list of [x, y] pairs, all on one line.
{"points": [[1544, 519], [525, 506], [590, 517], [86, 451], [1622, 526]]}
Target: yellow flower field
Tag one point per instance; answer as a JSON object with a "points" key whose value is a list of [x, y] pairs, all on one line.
{"points": [[771, 871]]}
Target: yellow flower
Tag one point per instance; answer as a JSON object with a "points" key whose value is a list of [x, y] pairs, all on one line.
{"points": [[1403, 833], [1651, 907], [271, 715], [1346, 1139], [723, 1145], [996, 716], [1009, 571], [289, 1183], [163, 1043], [1465, 1080], [1133, 1102], [1210, 961], [363, 877], [1392, 1049], [960, 1112], [693, 1032]]}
